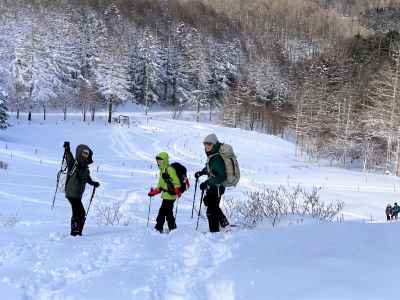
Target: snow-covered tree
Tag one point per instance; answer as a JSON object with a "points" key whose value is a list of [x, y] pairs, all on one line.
{"points": [[112, 76], [147, 71], [382, 117], [3, 111]]}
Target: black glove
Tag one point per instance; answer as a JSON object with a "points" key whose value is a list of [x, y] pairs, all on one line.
{"points": [[66, 146], [204, 185], [198, 174], [96, 184]]}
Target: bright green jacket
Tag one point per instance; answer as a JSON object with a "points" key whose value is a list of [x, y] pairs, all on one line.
{"points": [[170, 172]]}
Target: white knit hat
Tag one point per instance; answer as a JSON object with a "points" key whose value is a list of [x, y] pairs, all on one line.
{"points": [[212, 139]]}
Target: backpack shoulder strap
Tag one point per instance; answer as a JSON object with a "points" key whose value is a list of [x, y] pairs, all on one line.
{"points": [[167, 178]]}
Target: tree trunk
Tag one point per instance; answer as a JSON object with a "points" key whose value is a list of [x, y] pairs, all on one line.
{"points": [[398, 156], [110, 104], [93, 111], [198, 111], [44, 112], [84, 112], [396, 81], [146, 95], [18, 113], [388, 153], [346, 133], [210, 111], [65, 112], [365, 160], [30, 114]]}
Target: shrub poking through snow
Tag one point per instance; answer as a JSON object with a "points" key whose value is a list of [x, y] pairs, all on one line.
{"points": [[281, 203], [9, 221], [3, 165], [110, 214]]}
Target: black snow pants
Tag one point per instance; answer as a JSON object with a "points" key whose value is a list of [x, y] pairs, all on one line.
{"points": [[215, 216], [166, 212], [78, 216]]}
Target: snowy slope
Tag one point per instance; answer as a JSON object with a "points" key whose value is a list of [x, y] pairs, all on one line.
{"points": [[39, 260]]}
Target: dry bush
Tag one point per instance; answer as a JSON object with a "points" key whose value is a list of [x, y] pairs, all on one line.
{"points": [[3, 165], [9, 221], [111, 214], [275, 204]]}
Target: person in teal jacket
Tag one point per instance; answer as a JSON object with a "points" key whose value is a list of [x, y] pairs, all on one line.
{"points": [[168, 185], [396, 211], [213, 186]]}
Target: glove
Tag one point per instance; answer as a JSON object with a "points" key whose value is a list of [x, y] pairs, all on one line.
{"points": [[187, 183], [153, 192], [204, 185], [178, 192], [66, 146], [96, 184], [198, 174]]}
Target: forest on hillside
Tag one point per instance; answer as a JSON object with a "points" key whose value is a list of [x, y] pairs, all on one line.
{"points": [[324, 72]]}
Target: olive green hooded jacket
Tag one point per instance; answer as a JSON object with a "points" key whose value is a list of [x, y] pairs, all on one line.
{"points": [[78, 173]]}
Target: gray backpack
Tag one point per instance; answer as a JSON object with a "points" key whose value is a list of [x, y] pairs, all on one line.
{"points": [[231, 165]]}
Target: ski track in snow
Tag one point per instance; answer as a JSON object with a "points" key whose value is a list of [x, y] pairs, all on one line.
{"points": [[182, 265]]}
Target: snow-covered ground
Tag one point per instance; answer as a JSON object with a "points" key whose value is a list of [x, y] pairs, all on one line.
{"points": [[39, 260]]}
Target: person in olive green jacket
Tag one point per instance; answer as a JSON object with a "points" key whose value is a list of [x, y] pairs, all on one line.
{"points": [[168, 186], [213, 186], [77, 177]]}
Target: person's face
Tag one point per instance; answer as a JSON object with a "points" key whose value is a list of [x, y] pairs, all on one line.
{"points": [[159, 162], [85, 156], [208, 147]]}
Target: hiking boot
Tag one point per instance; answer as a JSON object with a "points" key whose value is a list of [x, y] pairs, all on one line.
{"points": [[160, 230], [171, 225], [224, 222], [75, 230]]}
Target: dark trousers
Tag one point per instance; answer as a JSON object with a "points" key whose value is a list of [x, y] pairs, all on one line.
{"points": [[166, 212], [215, 216], [78, 216]]}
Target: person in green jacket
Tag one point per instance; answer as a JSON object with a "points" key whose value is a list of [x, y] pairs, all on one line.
{"points": [[216, 171], [77, 177], [168, 186]]}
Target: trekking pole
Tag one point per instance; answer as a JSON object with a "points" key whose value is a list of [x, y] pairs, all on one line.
{"points": [[87, 211], [91, 199], [176, 208], [194, 198], [58, 179], [148, 214], [198, 215]]}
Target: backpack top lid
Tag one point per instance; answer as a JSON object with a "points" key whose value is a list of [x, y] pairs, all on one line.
{"points": [[181, 172], [179, 168], [231, 165], [227, 150]]}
